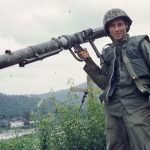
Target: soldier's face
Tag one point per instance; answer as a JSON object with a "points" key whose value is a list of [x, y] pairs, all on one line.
{"points": [[118, 30]]}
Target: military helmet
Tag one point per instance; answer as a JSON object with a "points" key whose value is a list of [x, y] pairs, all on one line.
{"points": [[114, 14]]}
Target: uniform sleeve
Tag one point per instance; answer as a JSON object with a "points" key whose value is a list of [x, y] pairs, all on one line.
{"points": [[96, 73], [145, 47]]}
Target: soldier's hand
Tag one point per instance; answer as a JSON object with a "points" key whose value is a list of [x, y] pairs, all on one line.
{"points": [[83, 54]]}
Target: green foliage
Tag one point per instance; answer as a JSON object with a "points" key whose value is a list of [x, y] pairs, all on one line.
{"points": [[16, 106], [73, 129], [65, 127], [27, 142]]}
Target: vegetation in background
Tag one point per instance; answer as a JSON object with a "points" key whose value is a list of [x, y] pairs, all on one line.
{"points": [[26, 142], [72, 128], [66, 127], [16, 106]]}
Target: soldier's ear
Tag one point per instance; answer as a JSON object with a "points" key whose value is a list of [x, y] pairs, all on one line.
{"points": [[127, 25]]}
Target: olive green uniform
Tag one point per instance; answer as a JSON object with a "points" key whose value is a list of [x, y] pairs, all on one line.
{"points": [[127, 109], [125, 79], [128, 112]]}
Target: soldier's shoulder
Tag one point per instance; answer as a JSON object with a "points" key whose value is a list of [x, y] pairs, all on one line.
{"points": [[106, 49], [140, 38]]}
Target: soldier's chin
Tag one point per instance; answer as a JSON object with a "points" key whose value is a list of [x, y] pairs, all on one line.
{"points": [[118, 38]]}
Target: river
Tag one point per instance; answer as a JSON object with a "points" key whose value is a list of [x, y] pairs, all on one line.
{"points": [[15, 133], [12, 133]]}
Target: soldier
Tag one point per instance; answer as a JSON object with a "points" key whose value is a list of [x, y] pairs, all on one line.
{"points": [[126, 71]]}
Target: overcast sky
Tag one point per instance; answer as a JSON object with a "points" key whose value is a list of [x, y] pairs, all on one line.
{"points": [[29, 22]]}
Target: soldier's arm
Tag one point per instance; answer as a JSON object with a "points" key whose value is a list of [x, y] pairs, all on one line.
{"points": [[97, 74]]}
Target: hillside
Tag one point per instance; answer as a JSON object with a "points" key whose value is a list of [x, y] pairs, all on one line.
{"points": [[18, 105]]}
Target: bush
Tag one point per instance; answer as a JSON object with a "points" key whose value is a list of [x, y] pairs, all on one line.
{"points": [[26, 142], [74, 129]]}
